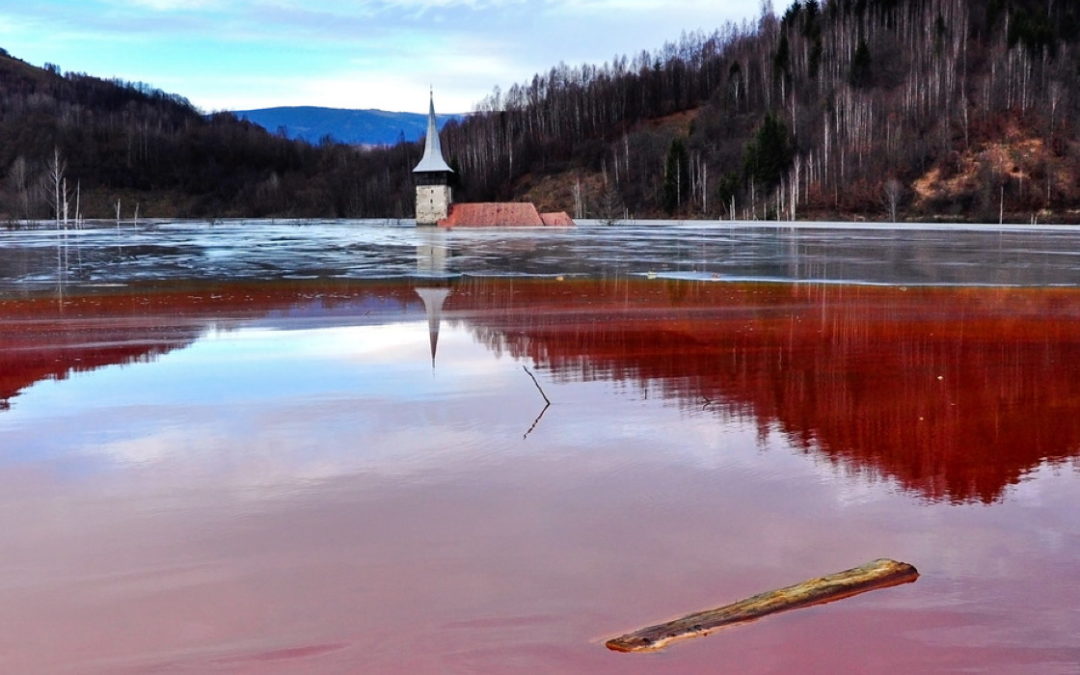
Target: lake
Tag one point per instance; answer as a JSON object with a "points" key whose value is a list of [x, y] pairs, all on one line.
{"points": [[330, 447]]}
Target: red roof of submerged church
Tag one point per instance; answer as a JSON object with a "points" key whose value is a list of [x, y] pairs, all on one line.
{"points": [[557, 219], [503, 214], [481, 214]]}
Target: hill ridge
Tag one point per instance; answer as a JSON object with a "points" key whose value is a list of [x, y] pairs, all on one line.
{"points": [[359, 126]]}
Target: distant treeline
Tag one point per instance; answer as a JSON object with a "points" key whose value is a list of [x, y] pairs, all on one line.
{"points": [[883, 108]]}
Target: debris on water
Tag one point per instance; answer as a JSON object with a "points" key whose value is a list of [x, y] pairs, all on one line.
{"points": [[881, 573]]}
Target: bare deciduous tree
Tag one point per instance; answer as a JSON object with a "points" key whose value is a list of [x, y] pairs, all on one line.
{"points": [[579, 199], [19, 180], [894, 190], [610, 207], [56, 183]]}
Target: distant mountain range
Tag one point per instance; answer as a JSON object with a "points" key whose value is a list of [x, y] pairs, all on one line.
{"points": [[354, 127]]}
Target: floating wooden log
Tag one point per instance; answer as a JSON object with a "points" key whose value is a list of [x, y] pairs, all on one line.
{"points": [[880, 573]]}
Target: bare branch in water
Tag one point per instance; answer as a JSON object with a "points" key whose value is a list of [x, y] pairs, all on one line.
{"points": [[538, 387]]}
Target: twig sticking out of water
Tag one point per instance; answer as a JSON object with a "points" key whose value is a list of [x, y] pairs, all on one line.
{"points": [[538, 387]]}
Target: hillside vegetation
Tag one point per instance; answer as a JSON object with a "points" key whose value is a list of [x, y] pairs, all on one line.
{"points": [[91, 143], [957, 109], [877, 109]]}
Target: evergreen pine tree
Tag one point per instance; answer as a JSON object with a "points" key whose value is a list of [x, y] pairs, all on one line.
{"points": [[861, 75], [769, 154]]}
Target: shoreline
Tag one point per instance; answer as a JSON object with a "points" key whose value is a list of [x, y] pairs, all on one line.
{"points": [[934, 225]]}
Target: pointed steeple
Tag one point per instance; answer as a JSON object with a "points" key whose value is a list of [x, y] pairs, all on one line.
{"points": [[432, 161]]}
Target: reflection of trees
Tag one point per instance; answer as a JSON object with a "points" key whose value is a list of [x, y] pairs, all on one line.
{"points": [[41, 339], [54, 348], [953, 393]]}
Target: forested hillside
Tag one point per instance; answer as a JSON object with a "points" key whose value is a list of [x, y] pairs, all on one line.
{"points": [[960, 109], [87, 144], [953, 109]]}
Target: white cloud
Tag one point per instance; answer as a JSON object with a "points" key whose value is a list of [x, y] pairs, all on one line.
{"points": [[378, 54], [169, 5], [359, 89]]}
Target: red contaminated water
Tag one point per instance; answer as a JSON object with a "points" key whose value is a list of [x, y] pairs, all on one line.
{"points": [[280, 477]]}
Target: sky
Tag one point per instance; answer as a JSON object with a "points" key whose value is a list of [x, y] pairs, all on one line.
{"points": [[245, 54]]}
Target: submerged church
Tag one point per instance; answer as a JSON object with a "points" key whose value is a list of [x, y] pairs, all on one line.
{"points": [[435, 198]]}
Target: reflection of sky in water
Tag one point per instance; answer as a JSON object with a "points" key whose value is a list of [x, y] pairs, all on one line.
{"points": [[334, 400], [295, 496], [323, 491], [321, 392], [341, 399]]}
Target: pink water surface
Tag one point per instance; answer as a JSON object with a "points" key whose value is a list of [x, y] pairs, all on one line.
{"points": [[279, 479]]}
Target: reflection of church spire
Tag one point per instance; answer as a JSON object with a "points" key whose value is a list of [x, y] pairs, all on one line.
{"points": [[433, 298]]}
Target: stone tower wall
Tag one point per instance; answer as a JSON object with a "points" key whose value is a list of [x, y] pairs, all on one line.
{"points": [[432, 203]]}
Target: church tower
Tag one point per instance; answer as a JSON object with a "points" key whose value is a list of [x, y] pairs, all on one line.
{"points": [[433, 196]]}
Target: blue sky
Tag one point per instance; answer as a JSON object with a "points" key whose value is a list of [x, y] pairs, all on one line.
{"points": [[240, 54]]}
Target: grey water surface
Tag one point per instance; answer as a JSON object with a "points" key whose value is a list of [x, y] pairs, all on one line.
{"points": [[909, 254]]}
